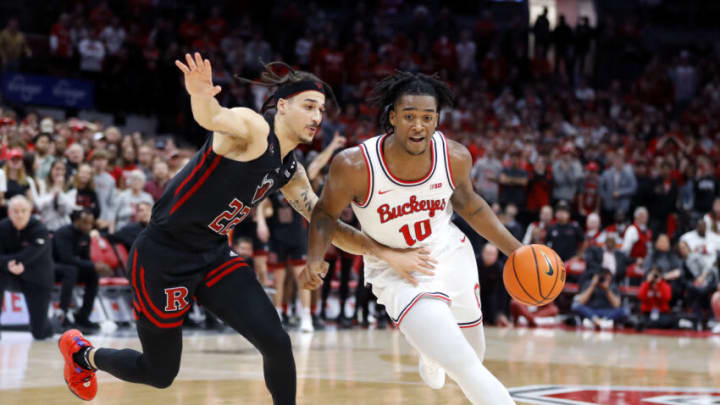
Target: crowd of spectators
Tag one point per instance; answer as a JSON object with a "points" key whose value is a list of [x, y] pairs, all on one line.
{"points": [[593, 140]]}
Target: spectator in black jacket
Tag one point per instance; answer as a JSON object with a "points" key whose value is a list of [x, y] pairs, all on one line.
{"points": [[73, 265], [26, 262], [608, 256], [128, 233], [564, 236]]}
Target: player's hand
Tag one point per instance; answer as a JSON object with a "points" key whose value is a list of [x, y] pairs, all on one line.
{"points": [[408, 261], [198, 76], [15, 267], [263, 232], [312, 275], [338, 141]]}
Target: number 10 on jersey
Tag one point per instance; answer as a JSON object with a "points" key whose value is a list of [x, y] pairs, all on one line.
{"points": [[422, 231]]}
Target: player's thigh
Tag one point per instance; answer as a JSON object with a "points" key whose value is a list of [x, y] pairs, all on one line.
{"points": [[241, 302], [463, 287]]}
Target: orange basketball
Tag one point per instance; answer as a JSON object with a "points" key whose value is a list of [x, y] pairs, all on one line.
{"points": [[534, 275]]}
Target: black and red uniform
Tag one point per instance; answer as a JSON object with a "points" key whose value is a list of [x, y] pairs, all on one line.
{"points": [[183, 254], [288, 234]]}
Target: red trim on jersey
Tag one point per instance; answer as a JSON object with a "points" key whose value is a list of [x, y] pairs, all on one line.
{"points": [[448, 166], [197, 185], [405, 182], [417, 298], [213, 280], [144, 310], [369, 182], [222, 266], [192, 173]]}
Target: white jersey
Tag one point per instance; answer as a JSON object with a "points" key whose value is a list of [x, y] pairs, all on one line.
{"points": [[403, 214]]}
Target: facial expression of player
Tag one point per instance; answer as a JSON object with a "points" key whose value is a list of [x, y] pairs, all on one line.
{"points": [[304, 114], [414, 119]]}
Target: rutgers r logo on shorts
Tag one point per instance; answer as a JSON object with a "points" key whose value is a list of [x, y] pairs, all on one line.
{"points": [[176, 299]]}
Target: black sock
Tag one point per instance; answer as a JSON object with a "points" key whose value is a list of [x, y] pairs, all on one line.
{"points": [[81, 358]]}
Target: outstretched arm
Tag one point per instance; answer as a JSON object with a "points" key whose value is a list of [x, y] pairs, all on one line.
{"points": [[236, 122], [472, 207]]}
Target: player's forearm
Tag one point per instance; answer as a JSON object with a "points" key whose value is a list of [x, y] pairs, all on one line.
{"points": [[355, 242], [204, 110], [484, 221], [322, 228]]}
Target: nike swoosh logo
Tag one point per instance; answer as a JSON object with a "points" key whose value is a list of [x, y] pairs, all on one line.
{"points": [[381, 192], [550, 271]]}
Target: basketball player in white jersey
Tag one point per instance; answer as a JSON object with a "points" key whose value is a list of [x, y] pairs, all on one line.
{"points": [[403, 187]]}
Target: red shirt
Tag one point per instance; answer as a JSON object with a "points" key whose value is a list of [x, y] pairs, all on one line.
{"points": [[64, 47], [658, 297]]}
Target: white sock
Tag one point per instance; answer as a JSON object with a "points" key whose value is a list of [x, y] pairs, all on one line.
{"points": [[431, 328]]}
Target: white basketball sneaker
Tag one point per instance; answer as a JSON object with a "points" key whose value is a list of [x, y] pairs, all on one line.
{"points": [[306, 325], [431, 373]]}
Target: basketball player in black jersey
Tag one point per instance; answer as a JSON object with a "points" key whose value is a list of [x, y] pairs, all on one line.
{"points": [[183, 254]]}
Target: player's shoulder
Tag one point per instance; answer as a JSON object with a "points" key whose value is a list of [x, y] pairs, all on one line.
{"points": [[350, 160], [256, 122], [458, 155]]}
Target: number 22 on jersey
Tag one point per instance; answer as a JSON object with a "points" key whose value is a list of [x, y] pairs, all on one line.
{"points": [[233, 217]]}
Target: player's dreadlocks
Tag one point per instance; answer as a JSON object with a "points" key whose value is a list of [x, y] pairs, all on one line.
{"points": [[271, 78], [387, 92]]}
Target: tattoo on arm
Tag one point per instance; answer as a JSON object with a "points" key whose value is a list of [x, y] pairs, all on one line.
{"points": [[477, 211]]}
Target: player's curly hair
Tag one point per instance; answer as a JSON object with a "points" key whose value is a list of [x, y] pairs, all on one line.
{"points": [[276, 74], [386, 93]]}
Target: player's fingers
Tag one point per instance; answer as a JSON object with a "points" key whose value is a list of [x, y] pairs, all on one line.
{"points": [[411, 280], [190, 62], [182, 66], [208, 67], [429, 260], [199, 62], [426, 268]]}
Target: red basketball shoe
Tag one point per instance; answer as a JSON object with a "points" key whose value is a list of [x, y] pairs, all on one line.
{"points": [[80, 381]]}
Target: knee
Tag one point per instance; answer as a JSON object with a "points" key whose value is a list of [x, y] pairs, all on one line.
{"points": [[162, 378], [276, 342]]}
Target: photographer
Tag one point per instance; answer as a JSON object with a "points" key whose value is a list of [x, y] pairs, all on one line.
{"points": [[599, 298], [654, 295]]}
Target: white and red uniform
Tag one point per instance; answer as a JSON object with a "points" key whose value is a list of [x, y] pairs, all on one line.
{"points": [[404, 214]]}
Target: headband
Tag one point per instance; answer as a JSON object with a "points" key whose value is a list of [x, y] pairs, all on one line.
{"points": [[292, 89]]}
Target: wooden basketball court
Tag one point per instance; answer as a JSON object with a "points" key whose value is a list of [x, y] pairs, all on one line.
{"points": [[372, 367]]}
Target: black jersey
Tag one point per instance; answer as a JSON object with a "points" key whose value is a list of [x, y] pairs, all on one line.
{"points": [[212, 194], [286, 225]]}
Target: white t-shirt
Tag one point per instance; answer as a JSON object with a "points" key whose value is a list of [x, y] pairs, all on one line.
{"points": [[706, 247], [3, 181]]}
